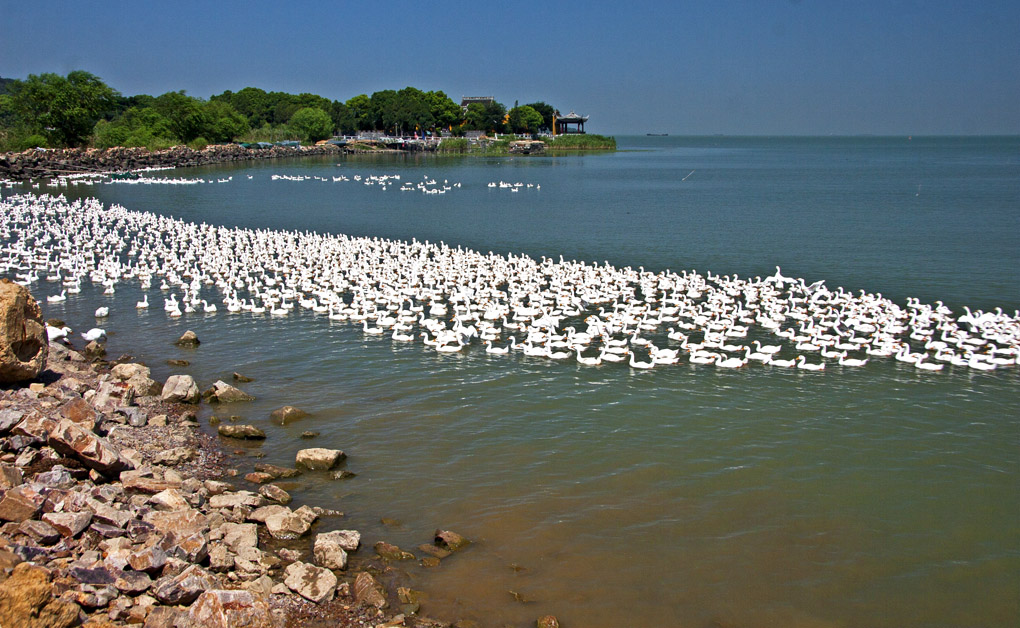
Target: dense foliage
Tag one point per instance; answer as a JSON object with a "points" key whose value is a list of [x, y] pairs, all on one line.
{"points": [[50, 110]]}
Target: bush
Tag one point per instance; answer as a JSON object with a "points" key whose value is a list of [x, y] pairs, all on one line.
{"points": [[199, 143], [33, 141], [454, 145], [581, 142]]}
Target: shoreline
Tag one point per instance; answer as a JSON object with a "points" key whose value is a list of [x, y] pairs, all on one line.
{"points": [[164, 527], [37, 164]]}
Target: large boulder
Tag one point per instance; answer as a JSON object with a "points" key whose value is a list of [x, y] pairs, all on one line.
{"points": [[181, 388], [287, 414], [225, 393], [24, 345], [249, 432]]}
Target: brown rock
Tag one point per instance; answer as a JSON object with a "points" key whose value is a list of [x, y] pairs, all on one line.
{"points": [[26, 601], [249, 432], [242, 378], [69, 524], [24, 345], [548, 621], [21, 503], [185, 587], [222, 608], [275, 493], [276, 471], [450, 540], [225, 393], [367, 591], [79, 411], [94, 452], [287, 414], [388, 551]]}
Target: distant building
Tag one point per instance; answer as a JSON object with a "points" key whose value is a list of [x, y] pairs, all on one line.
{"points": [[481, 100], [561, 124]]}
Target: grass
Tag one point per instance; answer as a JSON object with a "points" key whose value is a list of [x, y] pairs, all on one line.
{"points": [[587, 141]]}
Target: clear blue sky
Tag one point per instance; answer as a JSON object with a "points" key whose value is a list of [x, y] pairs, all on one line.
{"points": [[810, 67]]}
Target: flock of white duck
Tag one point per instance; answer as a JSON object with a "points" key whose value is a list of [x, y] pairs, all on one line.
{"points": [[452, 299]]}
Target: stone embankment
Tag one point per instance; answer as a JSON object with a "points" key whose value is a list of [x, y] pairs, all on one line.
{"points": [[114, 510], [35, 163]]}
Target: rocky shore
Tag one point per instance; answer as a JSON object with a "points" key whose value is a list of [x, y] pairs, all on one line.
{"points": [[36, 163], [117, 509]]}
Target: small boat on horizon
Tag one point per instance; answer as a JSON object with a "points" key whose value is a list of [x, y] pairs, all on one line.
{"points": [[657, 134]]}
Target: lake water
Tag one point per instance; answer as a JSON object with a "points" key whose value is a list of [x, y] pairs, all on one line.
{"points": [[680, 496]]}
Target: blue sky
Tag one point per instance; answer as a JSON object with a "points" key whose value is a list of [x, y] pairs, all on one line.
{"points": [[802, 67]]}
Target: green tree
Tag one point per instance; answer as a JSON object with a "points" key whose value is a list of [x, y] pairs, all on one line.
{"points": [[486, 117], [547, 112], [65, 109], [312, 123], [138, 126], [359, 109], [223, 122], [187, 116], [384, 110], [445, 112], [524, 119]]}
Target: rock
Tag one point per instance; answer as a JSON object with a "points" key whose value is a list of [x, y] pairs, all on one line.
{"points": [[69, 524], [21, 502], [367, 591], [143, 482], [94, 350], [388, 551], [165, 617], [311, 582], [329, 550], [450, 540], [94, 452], [275, 471], [242, 378], [225, 393], [309, 434], [79, 411], [8, 419], [343, 474], [318, 458], [182, 523], [238, 498], [150, 559], [42, 532], [548, 621], [178, 363], [132, 582], [275, 493], [144, 386], [429, 562], [26, 601], [175, 456], [258, 478], [124, 372], [136, 417], [238, 536], [249, 432], [287, 414], [169, 499], [287, 525], [10, 476], [188, 339], [434, 550], [222, 608], [185, 587], [112, 395], [193, 548], [180, 388], [220, 558], [263, 513], [24, 345]]}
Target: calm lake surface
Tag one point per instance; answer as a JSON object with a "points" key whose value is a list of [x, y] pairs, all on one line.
{"points": [[878, 496]]}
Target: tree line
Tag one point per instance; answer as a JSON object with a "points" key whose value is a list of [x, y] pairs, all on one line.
{"points": [[49, 110]]}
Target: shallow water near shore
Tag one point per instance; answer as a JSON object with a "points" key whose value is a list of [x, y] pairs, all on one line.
{"points": [[879, 496]]}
